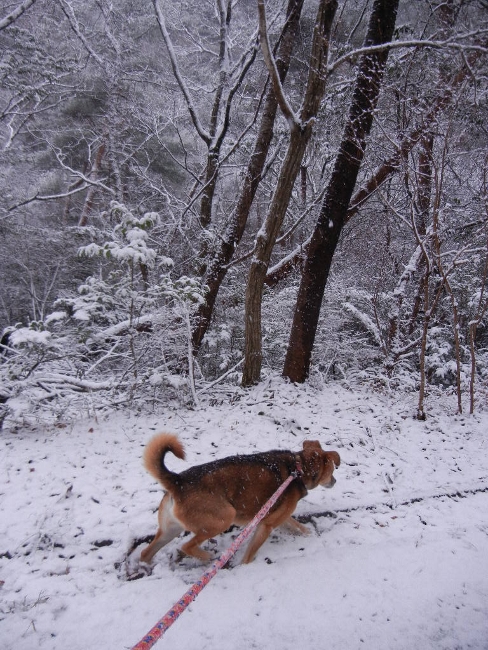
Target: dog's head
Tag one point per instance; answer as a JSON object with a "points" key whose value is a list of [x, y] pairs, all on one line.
{"points": [[318, 465]]}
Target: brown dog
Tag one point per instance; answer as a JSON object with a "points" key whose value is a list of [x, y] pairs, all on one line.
{"points": [[208, 499]]}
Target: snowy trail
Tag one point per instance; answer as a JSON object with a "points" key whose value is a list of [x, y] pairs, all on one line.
{"points": [[397, 556], [458, 494]]}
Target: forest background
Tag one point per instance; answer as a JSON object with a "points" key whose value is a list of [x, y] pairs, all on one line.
{"points": [[196, 194]]}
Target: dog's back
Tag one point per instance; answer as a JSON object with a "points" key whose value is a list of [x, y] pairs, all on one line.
{"points": [[246, 481]]}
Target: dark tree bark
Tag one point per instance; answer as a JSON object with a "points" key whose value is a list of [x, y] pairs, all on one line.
{"points": [[446, 93], [334, 210], [218, 267]]}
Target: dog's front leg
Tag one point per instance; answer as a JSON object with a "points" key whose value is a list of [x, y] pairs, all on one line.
{"points": [[296, 526], [262, 533]]}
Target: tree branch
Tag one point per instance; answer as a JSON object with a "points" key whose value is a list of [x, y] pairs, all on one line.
{"points": [[51, 197], [450, 44], [67, 9], [16, 13], [269, 60], [202, 132]]}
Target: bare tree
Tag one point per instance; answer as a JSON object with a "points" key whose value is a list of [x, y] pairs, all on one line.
{"points": [[300, 126], [229, 81], [235, 229]]}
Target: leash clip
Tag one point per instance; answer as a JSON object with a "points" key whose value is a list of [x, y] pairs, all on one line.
{"points": [[298, 471]]}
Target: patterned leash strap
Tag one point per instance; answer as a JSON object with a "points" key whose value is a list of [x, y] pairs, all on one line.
{"points": [[170, 617]]}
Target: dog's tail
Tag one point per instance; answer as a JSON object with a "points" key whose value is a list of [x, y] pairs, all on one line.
{"points": [[154, 455]]}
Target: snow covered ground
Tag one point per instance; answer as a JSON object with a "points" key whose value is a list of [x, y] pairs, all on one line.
{"points": [[397, 558]]}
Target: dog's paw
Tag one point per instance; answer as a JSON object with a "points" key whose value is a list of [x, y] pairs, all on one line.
{"points": [[295, 527], [141, 571], [132, 569], [306, 531]]}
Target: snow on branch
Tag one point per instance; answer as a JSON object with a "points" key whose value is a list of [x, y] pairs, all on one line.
{"points": [[365, 321], [83, 180], [80, 384], [48, 197], [450, 44], [409, 270], [73, 21], [78, 174], [284, 105], [202, 132], [16, 13]]}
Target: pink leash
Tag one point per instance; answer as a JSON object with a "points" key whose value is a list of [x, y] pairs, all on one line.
{"points": [[170, 617]]}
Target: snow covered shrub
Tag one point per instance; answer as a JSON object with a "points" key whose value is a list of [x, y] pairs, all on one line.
{"points": [[26, 349], [28, 355], [219, 351], [123, 334], [135, 315], [440, 357]]}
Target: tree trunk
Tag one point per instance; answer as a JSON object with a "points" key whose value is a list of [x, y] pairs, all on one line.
{"points": [[209, 184], [263, 248], [16, 13], [90, 195], [333, 214], [228, 244], [424, 184], [301, 131], [211, 171], [473, 326]]}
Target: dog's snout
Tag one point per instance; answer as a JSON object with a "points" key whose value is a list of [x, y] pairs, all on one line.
{"points": [[331, 483]]}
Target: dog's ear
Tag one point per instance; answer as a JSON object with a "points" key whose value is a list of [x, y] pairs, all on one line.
{"points": [[311, 446], [334, 456]]}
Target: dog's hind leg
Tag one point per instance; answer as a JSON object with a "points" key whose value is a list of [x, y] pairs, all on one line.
{"points": [[169, 528], [192, 547], [161, 538], [210, 524]]}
